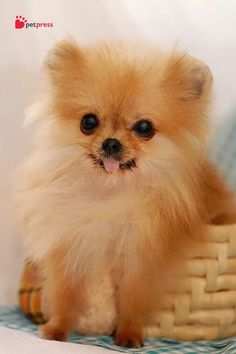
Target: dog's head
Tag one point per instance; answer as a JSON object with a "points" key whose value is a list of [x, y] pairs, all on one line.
{"points": [[124, 108]]}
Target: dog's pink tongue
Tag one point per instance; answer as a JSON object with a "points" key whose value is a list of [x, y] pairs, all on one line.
{"points": [[111, 165]]}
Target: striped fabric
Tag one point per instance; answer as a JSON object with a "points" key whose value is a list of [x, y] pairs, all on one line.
{"points": [[13, 318], [30, 294]]}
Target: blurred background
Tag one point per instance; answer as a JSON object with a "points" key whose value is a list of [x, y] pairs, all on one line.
{"points": [[205, 28]]}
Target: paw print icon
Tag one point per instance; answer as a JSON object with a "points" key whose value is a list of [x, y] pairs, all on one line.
{"points": [[20, 22]]}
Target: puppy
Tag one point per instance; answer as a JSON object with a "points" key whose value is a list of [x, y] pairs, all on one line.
{"points": [[117, 179]]}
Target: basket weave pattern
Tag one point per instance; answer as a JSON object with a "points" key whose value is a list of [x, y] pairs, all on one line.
{"points": [[205, 305]]}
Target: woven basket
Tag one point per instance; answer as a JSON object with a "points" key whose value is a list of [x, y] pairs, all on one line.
{"points": [[204, 306]]}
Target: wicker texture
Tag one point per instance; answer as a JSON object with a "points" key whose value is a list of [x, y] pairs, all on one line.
{"points": [[204, 307]]}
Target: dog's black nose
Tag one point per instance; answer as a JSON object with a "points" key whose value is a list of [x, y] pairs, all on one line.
{"points": [[111, 146]]}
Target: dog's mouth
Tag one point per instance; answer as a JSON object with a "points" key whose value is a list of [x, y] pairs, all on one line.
{"points": [[111, 165]]}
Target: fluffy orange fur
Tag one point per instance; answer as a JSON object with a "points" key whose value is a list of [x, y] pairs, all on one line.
{"points": [[78, 219]]}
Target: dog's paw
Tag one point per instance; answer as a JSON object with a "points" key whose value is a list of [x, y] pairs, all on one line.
{"points": [[52, 332], [129, 338]]}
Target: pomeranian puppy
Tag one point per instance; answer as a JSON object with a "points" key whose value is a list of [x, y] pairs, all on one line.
{"points": [[118, 179]]}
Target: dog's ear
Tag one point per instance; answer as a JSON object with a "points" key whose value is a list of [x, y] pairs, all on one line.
{"points": [[188, 78], [63, 60]]}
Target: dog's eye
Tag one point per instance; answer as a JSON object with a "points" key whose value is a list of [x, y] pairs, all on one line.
{"points": [[144, 129], [89, 123]]}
